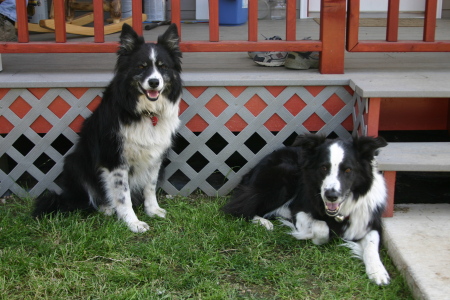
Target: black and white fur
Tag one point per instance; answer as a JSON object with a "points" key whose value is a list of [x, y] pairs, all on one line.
{"points": [[117, 159], [320, 188]]}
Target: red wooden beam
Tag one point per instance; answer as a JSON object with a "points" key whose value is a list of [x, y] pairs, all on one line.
{"points": [[332, 35], [291, 20], [176, 15], [389, 177], [136, 12], [189, 46], [373, 117], [253, 20], [392, 21], [99, 29], [22, 22], [402, 46], [60, 21], [213, 20], [429, 28], [352, 24]]}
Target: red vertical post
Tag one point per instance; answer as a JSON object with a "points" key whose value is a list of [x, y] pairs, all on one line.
{"points": [[136, 13], [22, 21], [373, 118], [332, 35], [392, 21], [213, 20], [253, 20], [176, 15], [99, 29], [389, 177], [429, 27], [352, 24], [291, 20], [60, 21]]}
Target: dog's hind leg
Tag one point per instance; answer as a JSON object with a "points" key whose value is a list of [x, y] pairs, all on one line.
{"points": [[119, 195], [367, 250]]}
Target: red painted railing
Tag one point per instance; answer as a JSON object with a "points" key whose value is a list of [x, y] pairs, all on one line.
{"points": [[392, 43], [331, 43]]}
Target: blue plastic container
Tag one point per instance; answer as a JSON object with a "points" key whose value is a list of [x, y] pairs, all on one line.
{"points": [[233, 12]]}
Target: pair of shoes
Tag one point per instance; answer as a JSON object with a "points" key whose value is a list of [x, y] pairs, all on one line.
{"points": [[302, 60], [253, 54], [7, 30]]}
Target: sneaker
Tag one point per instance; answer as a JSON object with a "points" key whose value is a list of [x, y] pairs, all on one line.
{"points": [[253, 54], [271, 59], [302, 60], [7, 30]]}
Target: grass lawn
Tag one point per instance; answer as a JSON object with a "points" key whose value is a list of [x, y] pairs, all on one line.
{"points": [[195, 253]]}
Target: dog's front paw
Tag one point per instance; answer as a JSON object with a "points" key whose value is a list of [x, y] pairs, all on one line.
{"points": [[379, 275], [138, 226], [264, 222], [157, 211]]}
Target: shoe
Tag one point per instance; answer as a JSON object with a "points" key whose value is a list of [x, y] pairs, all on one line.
{"points": [[253, 54], [7, 30], [271, 59], [302, 60]]}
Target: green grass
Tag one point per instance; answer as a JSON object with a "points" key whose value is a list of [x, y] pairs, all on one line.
{"points": [[196, 253]]}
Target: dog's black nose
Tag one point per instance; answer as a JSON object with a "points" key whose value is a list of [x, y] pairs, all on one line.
{"points": [[153, 82], [332, 195]]}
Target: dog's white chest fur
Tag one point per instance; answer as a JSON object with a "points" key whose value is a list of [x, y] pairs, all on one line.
{"points": [[145, 143]]}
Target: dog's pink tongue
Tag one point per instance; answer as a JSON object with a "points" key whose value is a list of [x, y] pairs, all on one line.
{"points": [[153, 94], [332, 206]]}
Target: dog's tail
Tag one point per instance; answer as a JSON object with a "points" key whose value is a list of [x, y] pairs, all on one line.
{"points": [[52, 202]]}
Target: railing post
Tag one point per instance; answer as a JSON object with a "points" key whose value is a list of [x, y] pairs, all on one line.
{"points": [[332, 35]]}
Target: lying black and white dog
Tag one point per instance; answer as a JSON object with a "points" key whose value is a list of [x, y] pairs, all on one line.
{"points": [[320, 188], [117, 159]]}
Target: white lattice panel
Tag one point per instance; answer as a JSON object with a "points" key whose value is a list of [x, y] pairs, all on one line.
{"points": [[224, 132]]}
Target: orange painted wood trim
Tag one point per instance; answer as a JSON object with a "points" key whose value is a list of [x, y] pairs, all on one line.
{"points": [[190, 46], [22, 22], [402, 46], [352, 24], [99, 30], [213, 20], [291, 20], [389, 177], [373, 117], [244, 46], [392, 21], [176, 15], [60, 21], [332, 35], [429, 28], [253, 20], [136, 10]]}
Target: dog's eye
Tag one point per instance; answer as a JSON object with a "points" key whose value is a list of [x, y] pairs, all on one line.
{"points": [[324, 168], [143, 66], [348, 170]]}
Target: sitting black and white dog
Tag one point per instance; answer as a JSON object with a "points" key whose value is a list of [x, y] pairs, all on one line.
{"points": [[116, 161], [320, 188]]}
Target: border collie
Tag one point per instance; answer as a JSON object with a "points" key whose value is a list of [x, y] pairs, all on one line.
{"points": [[116, 162], [320, 188]]}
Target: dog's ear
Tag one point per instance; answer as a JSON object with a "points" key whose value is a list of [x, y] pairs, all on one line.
{"points": [[367, 147], [309, 141], [170, 40], [129, 40]]}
